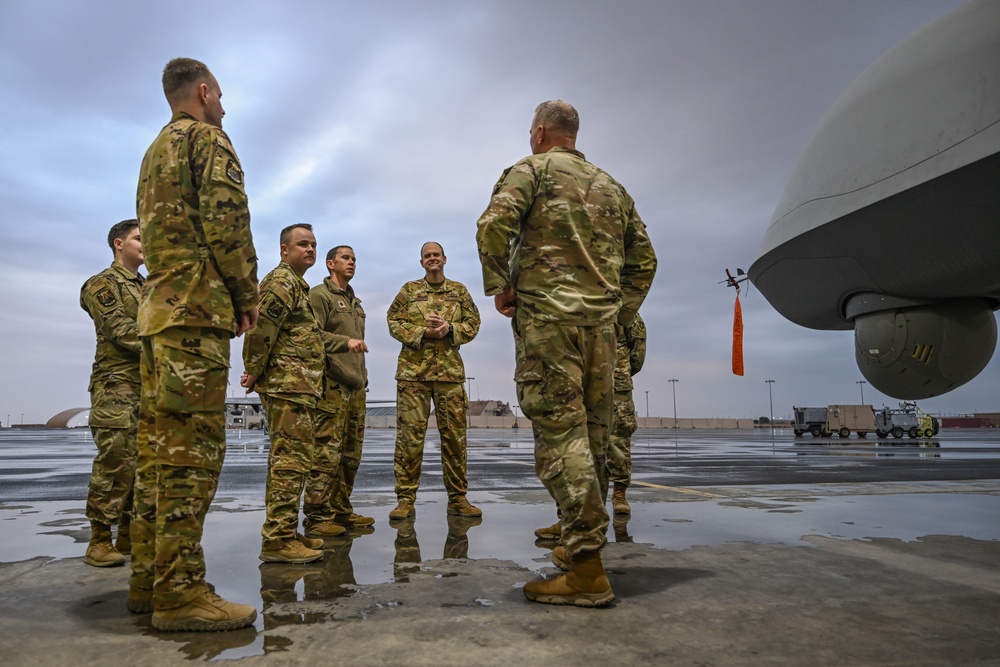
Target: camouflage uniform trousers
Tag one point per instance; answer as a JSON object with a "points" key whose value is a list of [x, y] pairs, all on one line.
{"points": [[413, 407], [340, 434], [620, 445], [181, 446], [114, 421], [564, 377], [292, 427]]}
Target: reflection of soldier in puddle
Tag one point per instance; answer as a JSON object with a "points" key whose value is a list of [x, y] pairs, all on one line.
{"points": [[620, 525], [456, 545], [335, 576], [407, 560], [277, 588], [207, 645]]}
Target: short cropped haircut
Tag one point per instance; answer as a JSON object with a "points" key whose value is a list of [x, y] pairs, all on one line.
{"points": [[286, 233], [334, 250], [120, 230], [427, 243], [559, 116], [180, 74]]}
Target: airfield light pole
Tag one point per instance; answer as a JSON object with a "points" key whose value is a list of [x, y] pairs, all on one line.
{"points": [[862, 383], [770, 400], [647, 407], [673, 387]]}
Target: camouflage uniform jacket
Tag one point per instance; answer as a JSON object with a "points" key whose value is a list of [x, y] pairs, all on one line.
{"points": [[426, 359], [285, 349], [195, 227], [566, 235], [631, 353], [111, 298], [340, 317]]}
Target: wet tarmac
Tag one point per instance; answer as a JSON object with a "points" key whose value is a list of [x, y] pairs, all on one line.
{"points": [[743, 547]]}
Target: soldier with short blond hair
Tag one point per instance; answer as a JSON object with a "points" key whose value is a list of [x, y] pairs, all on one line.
{"points": [[201, 291]]}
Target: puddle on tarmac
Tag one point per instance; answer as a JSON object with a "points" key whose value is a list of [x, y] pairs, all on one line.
{"points": [[393, 551]]}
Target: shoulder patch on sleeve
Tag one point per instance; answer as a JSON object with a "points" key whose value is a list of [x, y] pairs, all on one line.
{"points": [[106, 297]]}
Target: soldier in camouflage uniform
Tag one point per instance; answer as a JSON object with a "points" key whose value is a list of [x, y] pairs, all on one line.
{"points": [[566, 255], [631, 353], [201, 291], [340, 412], [111, 298], [432, 318], [283, 357]]}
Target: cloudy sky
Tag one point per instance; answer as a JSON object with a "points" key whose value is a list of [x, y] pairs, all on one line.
{"points": [[386, 124]]}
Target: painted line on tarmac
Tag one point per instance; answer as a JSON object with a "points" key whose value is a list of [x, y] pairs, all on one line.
{"points": [[704, 494]]}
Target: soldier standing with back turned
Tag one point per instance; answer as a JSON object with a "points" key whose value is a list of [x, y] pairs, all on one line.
{"points": [[200, 292], [111, 298], [566, 255]]}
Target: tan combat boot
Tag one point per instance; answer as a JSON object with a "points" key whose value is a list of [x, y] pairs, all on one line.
{"points": [[353, 520], [403, 510], [325, 529], [553, 532], [585, 585], [561, 559], [310, 542], [206, 613], [100, 551], [461, 506], [618, 501], [292, 551]]}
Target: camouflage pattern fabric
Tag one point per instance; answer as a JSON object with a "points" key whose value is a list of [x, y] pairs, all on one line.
{"points": [[340, 433], [566, 237], [198, 249], [291, 427], [195, 228], [111, 298], [424, 359], [340, 412], [413, 408], [564, 386], [181, 446], [581, 255], [340, 317], [114, 422], [631, 354], [285, 350]]}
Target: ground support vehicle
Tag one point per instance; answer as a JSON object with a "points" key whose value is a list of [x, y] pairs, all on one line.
{"points": [[846, 419], [810, 420], [908, 419], [840, 419]]}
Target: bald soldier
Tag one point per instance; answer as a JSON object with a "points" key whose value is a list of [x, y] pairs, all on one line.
{"points": [[432, 317], [565, 254], [111, 298], [200, 292]]}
